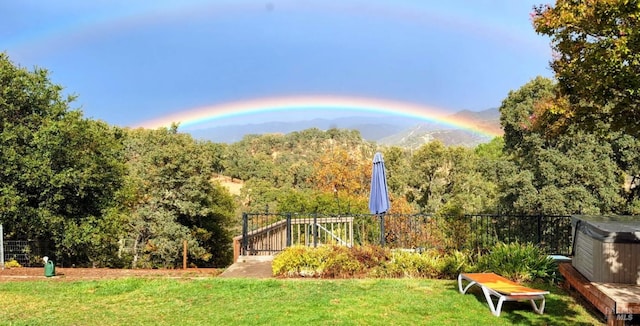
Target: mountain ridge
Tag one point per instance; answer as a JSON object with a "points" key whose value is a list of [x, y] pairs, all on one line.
{"points": [[390, 131]]}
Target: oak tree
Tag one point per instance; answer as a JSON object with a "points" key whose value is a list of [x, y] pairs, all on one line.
{"points": [[596, 62]]}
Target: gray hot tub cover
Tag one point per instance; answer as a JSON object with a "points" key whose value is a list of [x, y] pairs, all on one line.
{"points": [[608, 228]]}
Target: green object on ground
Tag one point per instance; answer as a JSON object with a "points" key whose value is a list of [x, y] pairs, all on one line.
{"points": [[49, 269]]}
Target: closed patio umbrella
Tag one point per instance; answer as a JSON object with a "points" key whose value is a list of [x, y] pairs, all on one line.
{"points": [[379, 197]]}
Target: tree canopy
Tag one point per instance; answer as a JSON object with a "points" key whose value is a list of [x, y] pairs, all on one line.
{"points": [[92, 194], [59, 170], [574, 172], [170, 198], [596, 62]]}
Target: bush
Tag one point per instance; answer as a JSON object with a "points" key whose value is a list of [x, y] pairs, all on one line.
{"points": [[411, 264], [455, 263], [340, 262], [367, 261], [12, 264], [428, 264], [519, 262], [327, 261], [298, 261], [370, 256]]}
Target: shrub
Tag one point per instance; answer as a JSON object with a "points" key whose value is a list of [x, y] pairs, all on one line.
{"points": [[328, 261], [371, 261], [455, 263], [519, 262], [298, 261], [340, 262], [410, 264], [370, 256], [12, 264]]}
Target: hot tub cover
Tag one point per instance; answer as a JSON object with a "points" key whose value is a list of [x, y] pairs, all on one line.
{"points": [[608, 228]]}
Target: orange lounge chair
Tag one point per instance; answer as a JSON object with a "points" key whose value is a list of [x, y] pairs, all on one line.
{"points": [[503, 289]]}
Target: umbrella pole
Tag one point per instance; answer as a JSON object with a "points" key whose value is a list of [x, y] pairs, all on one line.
{"points": [[382, 240]]}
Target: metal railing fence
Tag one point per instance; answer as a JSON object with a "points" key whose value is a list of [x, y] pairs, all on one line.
{"points": [[269, 233], [26, 253]]}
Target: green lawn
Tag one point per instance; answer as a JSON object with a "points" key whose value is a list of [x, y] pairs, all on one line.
{"points": [[218, 301]]}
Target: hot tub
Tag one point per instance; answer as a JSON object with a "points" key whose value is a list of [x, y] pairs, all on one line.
{"points": [[607, 248]]}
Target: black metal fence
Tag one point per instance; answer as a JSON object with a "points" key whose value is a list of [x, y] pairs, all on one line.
{"points": [[26, 253], [552, 233], [266, 233]]}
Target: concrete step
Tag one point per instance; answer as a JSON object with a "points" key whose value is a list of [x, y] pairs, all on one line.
{"points": [[250, 267]]}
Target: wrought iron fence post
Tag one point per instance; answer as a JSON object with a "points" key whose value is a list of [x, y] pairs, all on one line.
{"points": [[288, 230], [245, 232], [314, 229], [488, 233], [473, 221], [540, 228]]}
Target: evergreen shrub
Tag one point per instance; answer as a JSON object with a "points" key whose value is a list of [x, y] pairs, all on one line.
{"points": [[333, 261], [298, 261], [519, 262], [411, 264], [456, 262]]}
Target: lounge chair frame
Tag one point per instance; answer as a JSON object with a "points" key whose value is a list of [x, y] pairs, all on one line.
{"points": [[529, 294]]}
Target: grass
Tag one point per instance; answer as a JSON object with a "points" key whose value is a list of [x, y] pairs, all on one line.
{"points": [[218, 301]]}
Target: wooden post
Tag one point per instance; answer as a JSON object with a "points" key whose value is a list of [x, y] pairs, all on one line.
{"points": [[1, 247], [184, 254]]}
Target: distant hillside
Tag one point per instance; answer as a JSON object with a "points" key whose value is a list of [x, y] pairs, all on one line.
{"points": [[371, 128], [392, 131], [420, 134], [233, 185], [486, 119], [423, 133]]}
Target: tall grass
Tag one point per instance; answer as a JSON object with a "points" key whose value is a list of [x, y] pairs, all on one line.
{"points": [[216, 301]]}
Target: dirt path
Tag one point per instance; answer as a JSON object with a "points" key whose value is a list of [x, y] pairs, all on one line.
{"points": [[72, 274]]}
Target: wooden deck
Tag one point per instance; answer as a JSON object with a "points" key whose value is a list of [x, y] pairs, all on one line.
{"points": [[618, 302]]}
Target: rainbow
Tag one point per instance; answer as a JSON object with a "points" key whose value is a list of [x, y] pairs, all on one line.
{"points": [[192, 118]]}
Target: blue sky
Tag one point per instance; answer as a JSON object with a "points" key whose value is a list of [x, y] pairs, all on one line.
{"points": [[132, 61]]}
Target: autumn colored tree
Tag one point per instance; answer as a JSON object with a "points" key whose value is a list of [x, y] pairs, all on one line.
{"points": [[596, 62], [343, 175], [338, 171]]}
